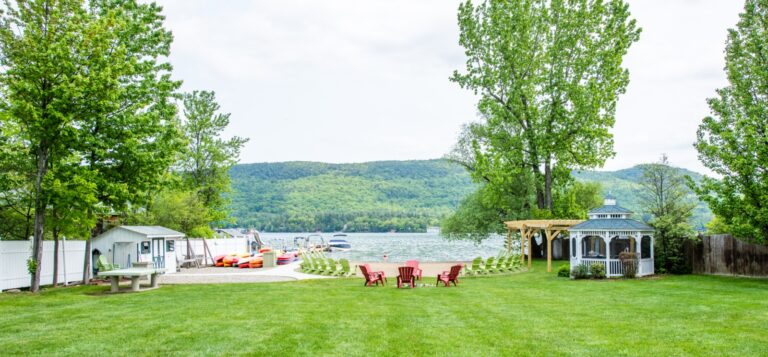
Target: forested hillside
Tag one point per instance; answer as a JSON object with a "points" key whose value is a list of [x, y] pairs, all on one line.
{"points": [[405, 196], [381, 196]]}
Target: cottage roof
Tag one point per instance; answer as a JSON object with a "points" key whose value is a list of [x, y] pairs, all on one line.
{"points": [[153, 231]]}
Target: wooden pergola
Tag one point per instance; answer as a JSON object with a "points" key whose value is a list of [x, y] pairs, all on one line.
{"points": [[551, 227]]}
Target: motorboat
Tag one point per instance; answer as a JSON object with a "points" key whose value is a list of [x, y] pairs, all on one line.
{"points": [[339, 242]]}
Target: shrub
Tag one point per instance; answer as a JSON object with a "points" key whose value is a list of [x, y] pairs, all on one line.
{"points": [[580, 271], [564, 271], [597, 271], [629, 263]]}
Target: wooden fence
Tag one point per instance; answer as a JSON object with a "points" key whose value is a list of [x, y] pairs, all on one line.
{"points": [[724, 255]]}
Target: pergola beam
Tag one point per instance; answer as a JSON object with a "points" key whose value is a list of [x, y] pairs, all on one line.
{"points": [[551, 227]]}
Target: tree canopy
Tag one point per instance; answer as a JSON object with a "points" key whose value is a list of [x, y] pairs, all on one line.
{"points": [[87, 98], [733, 142], [549, 75]]}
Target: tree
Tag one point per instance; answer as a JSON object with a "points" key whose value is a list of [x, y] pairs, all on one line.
{"points": [[206, 163], [89, 97], [179, 210], [665, 196], [549, 74], [733, 142]]}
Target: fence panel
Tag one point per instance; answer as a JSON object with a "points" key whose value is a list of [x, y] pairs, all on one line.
{"points": [[723, 254], [13, 263]]}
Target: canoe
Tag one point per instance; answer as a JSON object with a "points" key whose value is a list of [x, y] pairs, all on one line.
{"points": [[257, 262]]}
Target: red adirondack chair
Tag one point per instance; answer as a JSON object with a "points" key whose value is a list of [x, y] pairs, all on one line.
{"points": [[415, 265], [450, 276], [383, 276], [371, 277], [406, 277]]}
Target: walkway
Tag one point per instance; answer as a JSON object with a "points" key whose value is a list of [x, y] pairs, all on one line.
{"points": [[213, 275]]}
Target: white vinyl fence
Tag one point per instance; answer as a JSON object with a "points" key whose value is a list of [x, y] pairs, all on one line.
{"points": [[13, 263]]}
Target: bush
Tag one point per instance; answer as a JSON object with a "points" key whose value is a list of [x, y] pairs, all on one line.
{"points": [[597, 271], [629, 263], [580, 271], [564, 271]]}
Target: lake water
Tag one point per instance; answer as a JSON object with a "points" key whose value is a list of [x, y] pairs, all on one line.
{"points": [[399, 247]]}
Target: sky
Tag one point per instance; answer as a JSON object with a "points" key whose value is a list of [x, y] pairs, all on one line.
{"points": [[354, 81]]}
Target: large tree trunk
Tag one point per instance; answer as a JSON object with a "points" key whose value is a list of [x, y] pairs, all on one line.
{"points": [[87, 262], [548, 186], [55, 256], [37, 245]]}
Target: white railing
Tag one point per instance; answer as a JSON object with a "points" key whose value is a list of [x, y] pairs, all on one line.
{"points": [[614, 267], [590, 262], [646, 267]]}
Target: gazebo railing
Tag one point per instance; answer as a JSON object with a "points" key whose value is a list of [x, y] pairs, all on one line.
{"points": [[615, 268]]}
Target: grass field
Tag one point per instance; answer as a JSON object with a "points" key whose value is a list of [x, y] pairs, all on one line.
{"points": [[531, 313]]}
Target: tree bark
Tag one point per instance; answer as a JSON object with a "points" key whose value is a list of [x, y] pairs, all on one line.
{"points": [[37, 245], [55, 256], [87, 262], [548, 185]]}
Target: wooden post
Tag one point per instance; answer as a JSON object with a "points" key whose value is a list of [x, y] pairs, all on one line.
{"points": [[530, 249], [522, 246], [509, 240], [548, 235]]}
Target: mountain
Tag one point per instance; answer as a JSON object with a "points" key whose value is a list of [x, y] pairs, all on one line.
{"points": [[406, 196]]}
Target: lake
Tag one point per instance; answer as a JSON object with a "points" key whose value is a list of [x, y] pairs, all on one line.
{"points": [[399, 247]]}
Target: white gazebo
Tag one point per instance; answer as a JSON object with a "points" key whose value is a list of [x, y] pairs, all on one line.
{"points": [[608, 232]]}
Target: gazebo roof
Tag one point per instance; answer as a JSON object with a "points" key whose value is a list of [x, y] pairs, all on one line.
{"points": [[612, 224], [553, 224], [610, 209]]}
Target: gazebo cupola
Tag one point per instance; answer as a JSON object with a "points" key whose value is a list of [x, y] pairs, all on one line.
{"points": [[609, 231]]}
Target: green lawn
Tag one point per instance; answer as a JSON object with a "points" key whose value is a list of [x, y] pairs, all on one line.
{"points": [[526, 313]]}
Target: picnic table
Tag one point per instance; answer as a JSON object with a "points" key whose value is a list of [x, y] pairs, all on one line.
{"points": [[134, 273]]}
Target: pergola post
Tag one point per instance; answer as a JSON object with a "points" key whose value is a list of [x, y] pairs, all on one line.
{"points": [[550, 236], [522, 246], [530, 250]]}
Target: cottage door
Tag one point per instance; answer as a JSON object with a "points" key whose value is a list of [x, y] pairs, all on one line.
{"points": [[158, 252]]}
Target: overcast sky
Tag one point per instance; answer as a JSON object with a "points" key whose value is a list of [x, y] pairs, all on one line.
{"points": [[353, 81]]}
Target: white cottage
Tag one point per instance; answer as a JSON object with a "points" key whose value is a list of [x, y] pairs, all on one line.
{"points": [[609, 231], [124, 245]]}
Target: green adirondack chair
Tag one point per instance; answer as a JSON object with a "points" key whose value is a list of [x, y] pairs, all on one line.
{"points": [[513, 262], [103, 265], [331, 268], [475, 269], [345, 268], [318, 265], [501, 264], [488, 267], [306, 264]]}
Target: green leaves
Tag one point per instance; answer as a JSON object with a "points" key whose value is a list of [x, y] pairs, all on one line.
{"points": [[207, 158], [733, 142], [549, 75]]}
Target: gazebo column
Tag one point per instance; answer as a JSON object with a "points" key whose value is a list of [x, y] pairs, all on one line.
{"points": [[653, 257], [608, 240], [578, 247]]}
